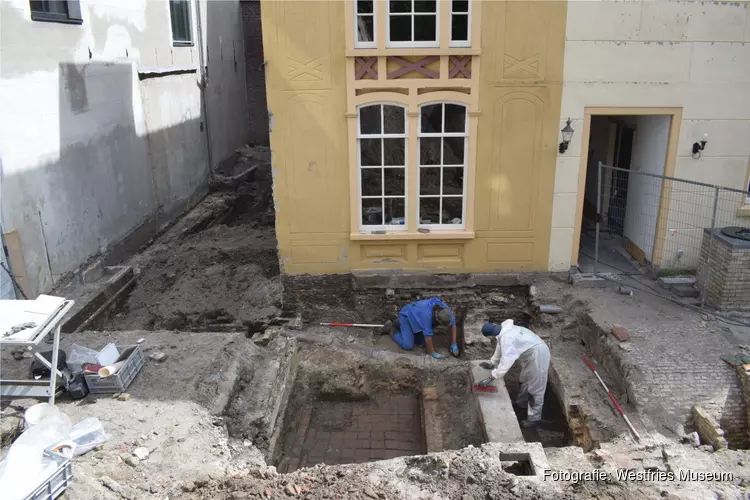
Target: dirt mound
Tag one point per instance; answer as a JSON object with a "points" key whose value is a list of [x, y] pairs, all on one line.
{"points": [[220, 273]]}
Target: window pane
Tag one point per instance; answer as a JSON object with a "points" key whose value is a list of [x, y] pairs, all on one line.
{"points": [[429, 181], [452, 210], [401, 28], [365, 29], [400, 5], [425, 28], [372, 182], [395, 208], [369, 120], [429, 210], [372, 212], [370, 152], [455, 118], [394, 119], [394, 152], [460, 27], [453, 151], [453, 180], [460, 5], [366, 7], [425, 6], [432, 118], [394, 181], [180, 14], [429, 151]]}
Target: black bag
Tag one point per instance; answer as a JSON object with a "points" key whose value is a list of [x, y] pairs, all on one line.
{"points": [[78, 388], [39, 369]]}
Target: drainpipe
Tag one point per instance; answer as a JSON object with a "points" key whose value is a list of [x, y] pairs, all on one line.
{"points": [[203, 83]]}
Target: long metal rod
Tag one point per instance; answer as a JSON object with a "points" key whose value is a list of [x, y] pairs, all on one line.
{"points": [[686, 181], [361, 325], [612, 398], [13, 279], [707, 277], [598, 214]]}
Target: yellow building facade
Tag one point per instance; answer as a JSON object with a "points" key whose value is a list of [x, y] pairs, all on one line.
{"points": [[414, 135]]}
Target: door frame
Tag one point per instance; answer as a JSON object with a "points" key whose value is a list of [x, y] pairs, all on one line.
{"points": [[670, 163]]}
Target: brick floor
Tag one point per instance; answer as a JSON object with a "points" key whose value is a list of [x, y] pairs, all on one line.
{"points": [[354, 432]]}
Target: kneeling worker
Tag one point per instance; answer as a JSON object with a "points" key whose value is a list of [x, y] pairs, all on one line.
{"points": [[416, 322], [518, 343]]}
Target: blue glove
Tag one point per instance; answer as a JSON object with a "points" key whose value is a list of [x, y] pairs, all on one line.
{"points": [[454, 350], [437, 356]]}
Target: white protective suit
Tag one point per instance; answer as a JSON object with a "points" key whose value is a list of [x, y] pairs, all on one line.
{"points": [[519, 343]]}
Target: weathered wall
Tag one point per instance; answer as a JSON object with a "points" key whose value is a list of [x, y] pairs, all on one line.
{"points": [[513, 113], [226, 96], [255, 72], [91, 151], [692, 55]]}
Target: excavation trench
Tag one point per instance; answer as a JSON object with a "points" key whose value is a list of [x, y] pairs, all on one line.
{"points": [[350, 408]]}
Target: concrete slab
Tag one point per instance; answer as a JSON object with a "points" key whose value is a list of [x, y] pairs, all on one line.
{"points": [[496, 410]]}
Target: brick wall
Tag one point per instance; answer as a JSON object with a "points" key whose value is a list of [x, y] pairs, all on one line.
{"points": [[255, 73], [728, 274]]}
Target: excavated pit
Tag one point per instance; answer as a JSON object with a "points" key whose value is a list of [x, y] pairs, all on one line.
{"points": [[345, 407]]}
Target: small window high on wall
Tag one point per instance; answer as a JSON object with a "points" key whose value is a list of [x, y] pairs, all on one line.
{"points": [[381, 153], [179, 11], [364, 24], [442, 166], [412, 23]]}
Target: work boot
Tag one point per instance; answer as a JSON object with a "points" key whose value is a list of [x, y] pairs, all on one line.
{"points": [[529, 423], [387, 328]]}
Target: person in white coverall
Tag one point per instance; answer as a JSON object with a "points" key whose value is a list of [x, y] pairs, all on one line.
{"points": [[519, 343]]}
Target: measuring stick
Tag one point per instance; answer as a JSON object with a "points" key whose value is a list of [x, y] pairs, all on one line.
{"points": [[361, 325], [614, 401]]}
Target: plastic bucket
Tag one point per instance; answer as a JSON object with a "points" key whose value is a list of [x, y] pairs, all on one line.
{"points": [[38, 412]]}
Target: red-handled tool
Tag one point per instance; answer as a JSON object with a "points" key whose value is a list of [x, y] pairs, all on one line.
{"points": [[361, 325], [614, 401]]}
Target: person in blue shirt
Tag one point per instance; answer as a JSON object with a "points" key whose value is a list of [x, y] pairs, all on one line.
{"points": [[416, 322]]}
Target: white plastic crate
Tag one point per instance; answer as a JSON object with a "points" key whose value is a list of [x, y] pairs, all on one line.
{"points": [[124, 376], [57, 482]]}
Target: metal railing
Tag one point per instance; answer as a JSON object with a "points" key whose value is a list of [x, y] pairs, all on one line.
{"points": [[664, 225]]}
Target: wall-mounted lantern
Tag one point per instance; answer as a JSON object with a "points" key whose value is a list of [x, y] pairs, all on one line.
{"points": [[567, 135], [698, 147]]}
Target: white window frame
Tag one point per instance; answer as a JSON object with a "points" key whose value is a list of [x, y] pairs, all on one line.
{"points": [[191, 22], [465, 135], [374, 43], [405, 136], [411, 44], [467, 42]]}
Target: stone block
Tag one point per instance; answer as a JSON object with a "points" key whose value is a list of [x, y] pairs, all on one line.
{"points": [[620, 333], [708, 429]]}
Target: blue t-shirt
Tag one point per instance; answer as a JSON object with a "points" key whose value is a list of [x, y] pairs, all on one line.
{"points": [[419, 315]]}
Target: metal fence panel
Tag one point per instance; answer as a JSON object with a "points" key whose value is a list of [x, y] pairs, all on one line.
{"points": [[661, 222]]}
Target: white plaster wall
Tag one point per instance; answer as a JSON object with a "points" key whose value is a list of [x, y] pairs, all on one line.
{"points": [[690, 54], [90, 152], [649, 154]]}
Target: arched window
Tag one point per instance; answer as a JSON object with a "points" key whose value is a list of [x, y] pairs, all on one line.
{"points": [[381, 153], [443, 149]]}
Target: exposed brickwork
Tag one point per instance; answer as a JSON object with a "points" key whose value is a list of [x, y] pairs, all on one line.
{"points": [[355, 432], [709, 429], [671, 366], [728, 272], [255, 73], [745, 384]]}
